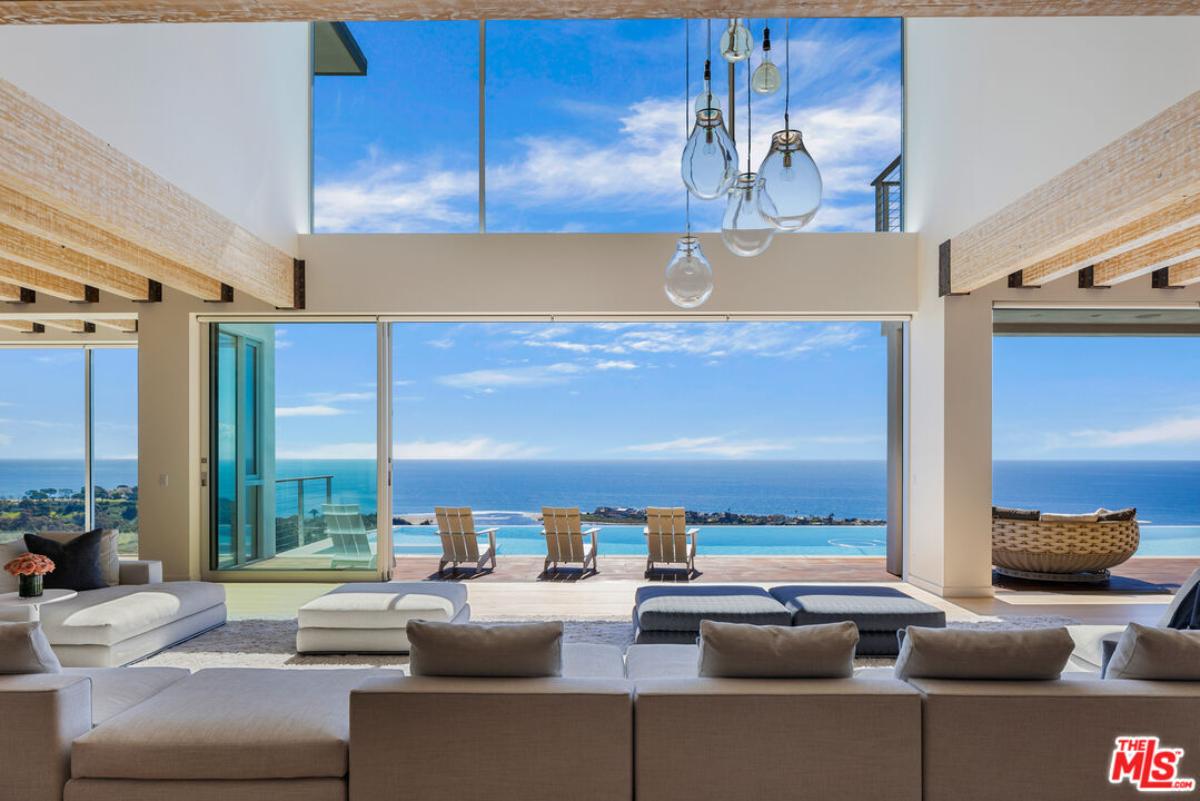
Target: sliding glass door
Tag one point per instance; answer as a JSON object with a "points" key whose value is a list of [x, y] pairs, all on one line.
{"points": [[294, 431]]}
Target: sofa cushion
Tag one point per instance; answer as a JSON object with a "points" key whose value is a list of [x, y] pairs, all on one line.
{"points": [[1051, 517], [110, 559], [514, 650], [113, 614], [733, 651], [662, 661], [1035, 654], [25, 649], [229, 723], [76, 562], [9, 551], [587, 660], [870, 608], [383, 605], [1155, 654], [115, 690], [666, 608]]}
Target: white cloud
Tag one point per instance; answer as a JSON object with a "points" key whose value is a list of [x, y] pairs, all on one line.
{"points": [[711, 446], [473, 448], [760, 339], [538, 376], [616, 365], [315, 410], [441, 344], [341, 397], [1172, 431]]}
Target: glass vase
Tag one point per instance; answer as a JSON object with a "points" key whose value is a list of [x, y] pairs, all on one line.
{"points": [[30, 586]]}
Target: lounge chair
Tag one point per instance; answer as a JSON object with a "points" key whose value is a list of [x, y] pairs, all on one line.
{"points": [[565, 541], [351, 545], [460, 540], [668, 539]]}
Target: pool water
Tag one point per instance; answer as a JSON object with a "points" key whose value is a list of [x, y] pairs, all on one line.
{"points": [[755, 541]]}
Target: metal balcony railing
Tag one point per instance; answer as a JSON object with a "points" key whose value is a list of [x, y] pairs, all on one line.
{"points": [[300, 537], [888, 200]]}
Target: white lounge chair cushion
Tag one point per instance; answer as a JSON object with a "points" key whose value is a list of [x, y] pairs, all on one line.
{"points": [[235, 723], [111, 615], [383, 605]]}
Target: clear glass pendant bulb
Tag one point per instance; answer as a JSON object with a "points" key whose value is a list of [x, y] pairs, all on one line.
{"points": [[707, 99], [766, 79], [709, 163], [689, 275], [789, 183], [736, 42], [743, 229]]}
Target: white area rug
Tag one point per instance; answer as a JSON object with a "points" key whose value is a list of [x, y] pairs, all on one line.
{"points": [[272, 644]]}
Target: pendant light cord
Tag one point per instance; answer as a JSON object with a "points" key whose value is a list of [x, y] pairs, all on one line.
{"points": [[787, 91], [687, 91], [749, 119]]}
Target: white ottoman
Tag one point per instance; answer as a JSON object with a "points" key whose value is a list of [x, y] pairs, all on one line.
{"points": [[371, 618]]}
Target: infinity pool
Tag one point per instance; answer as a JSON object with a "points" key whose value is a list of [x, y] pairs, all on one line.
{"points": [[755, 540]]}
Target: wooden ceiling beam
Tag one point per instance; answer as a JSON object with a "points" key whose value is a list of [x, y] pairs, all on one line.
{"points": [[34, 217], [39, 281], [1185, 273], [109, 11], [69, 326], [125, 326], [11, 293], [1164, 252], [49, 158], [1146, 171], [1170, 220], [42, 254], [22, 326]]}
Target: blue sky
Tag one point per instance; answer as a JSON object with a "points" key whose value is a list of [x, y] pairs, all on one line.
{"points": [[585, 123], [617, 391]]}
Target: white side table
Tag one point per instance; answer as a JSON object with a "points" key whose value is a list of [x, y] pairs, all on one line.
{"points": [[10, 600]]}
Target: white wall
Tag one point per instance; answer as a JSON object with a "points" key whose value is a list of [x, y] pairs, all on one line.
{"points": [[220, 110], [994, 108]]}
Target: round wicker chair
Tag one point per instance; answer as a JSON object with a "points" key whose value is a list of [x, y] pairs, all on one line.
{"points": [[1061, 551]]}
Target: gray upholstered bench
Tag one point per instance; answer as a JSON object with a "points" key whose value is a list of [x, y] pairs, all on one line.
{"points": [[672, 614], [879, 612]]}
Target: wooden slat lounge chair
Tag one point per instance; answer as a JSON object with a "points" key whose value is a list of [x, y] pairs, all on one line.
{"points": [[351, 545], [668, 539], [565, 541], [460, 540]]}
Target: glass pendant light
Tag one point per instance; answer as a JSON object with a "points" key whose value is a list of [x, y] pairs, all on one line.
{"points": [[709, 162], [743, 228], [736, 42], [789, 183], [766, 78], [689, 276]]}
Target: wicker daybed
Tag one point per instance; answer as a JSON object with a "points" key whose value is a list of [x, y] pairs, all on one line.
{"points": [[1025, 545]]}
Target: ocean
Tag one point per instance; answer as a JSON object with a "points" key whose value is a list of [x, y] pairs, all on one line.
{"points": [[1166, 493]]}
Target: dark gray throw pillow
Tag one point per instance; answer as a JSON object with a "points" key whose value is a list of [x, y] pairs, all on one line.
{"points": [[1021, 655], [1004, 513], [512, 650], [77, 563], [1106, 516]]}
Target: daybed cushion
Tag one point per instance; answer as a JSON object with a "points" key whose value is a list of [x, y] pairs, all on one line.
{"points": [[511, 650], [25, 649], [115, 690], [229, 723], [111, 615], [1154, 654], [1033, 655], [587, 660], [870, 608], [739, 651], [680, 609], [383, 605]]}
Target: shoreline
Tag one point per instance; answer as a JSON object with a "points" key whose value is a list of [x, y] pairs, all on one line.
{"points": [[630, 516]]}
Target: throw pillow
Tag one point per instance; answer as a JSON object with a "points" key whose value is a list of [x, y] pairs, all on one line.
{"points": [[110, 560], [1155, 654], [746, 651], [1056, 518], [1107, 516], [25, 649], [76, 563], [1035, 654], [521, 650], [1005, 513]]}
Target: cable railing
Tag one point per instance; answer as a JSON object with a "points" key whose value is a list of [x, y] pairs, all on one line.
{"points": [[287, 537], [888, 199]]}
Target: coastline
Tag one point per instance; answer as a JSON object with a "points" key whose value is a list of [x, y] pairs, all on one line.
{"points": [[628, 516]]}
